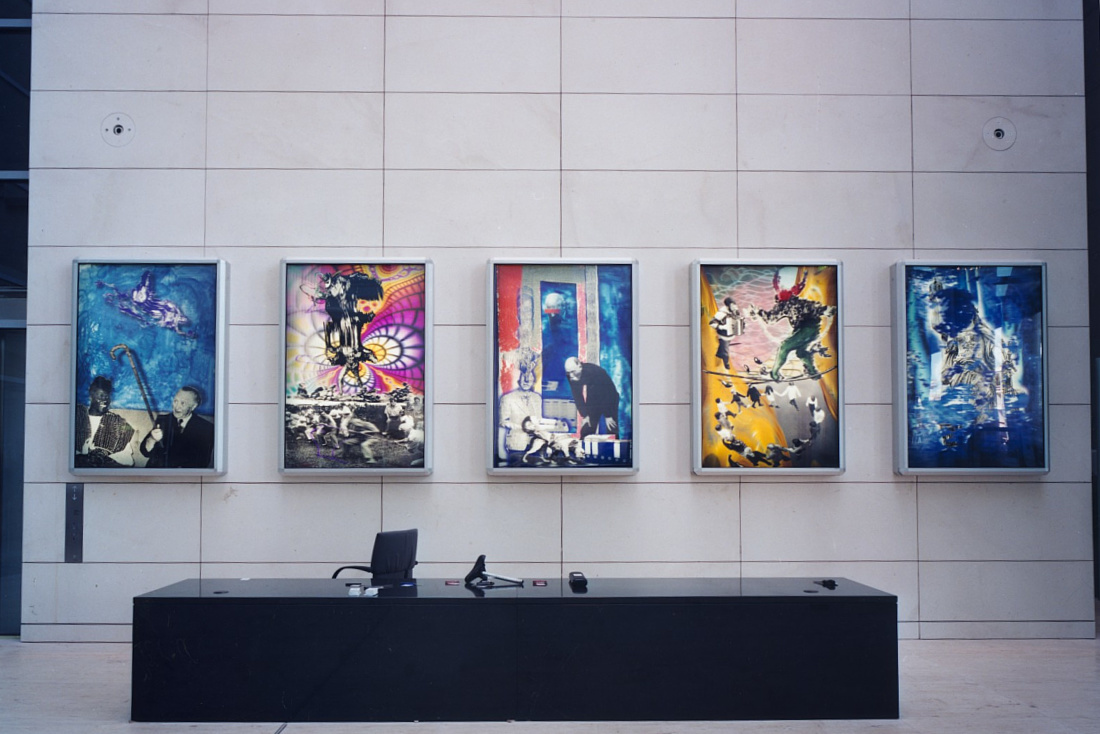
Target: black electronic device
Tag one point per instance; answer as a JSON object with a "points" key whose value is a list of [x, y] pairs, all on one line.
{"points": [[479, 577], [577, 581]]}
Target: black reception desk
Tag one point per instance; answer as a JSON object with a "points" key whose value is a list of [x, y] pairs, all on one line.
{"points": [[289, 650]]}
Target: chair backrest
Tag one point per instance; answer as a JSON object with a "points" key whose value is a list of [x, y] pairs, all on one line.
{"points": [[394, 555]]}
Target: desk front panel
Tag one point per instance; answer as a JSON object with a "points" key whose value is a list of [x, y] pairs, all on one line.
{"points": [[708, 661], [636, 649], [247, 660]]}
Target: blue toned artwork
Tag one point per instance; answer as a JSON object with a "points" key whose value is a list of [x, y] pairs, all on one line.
{"points": [[616, 322], [974, 367], [143, 331], [559, 336]]}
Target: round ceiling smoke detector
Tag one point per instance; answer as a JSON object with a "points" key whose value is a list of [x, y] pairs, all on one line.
{"points": [[999, 133], [117, 129]]}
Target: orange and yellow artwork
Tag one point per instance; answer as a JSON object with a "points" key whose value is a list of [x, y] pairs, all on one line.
{"points": [[769, 378]]}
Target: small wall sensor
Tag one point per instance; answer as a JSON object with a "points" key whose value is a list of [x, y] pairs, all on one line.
{"points": [[999, 133], [117, 129]]}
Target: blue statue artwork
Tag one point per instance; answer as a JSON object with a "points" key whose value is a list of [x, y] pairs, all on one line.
{"points": [[974, 367], [142, 303], [564, 384]]}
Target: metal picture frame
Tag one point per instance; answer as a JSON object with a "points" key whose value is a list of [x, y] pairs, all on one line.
{"points": [[357, 394], [562, 367], [148, 367], [970, 368], [767, 374]]}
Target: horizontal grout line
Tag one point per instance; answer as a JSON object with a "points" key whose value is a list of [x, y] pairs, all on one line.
{"points": [[912, 560], [997, 621], [756, 251], [867, 561], [566, 93], [568, 16], [735, 482], [907, 18], [1013, 561], [399, 169]]}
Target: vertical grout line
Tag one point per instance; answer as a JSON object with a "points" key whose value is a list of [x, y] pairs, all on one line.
{"points": [[913, 253], [740, 528], [205, 252], [736, 141], [385, 29], [736, 253], [912, 148], [561, 132], [206, 140], [561, 246], [916, 523], [561, 527]]}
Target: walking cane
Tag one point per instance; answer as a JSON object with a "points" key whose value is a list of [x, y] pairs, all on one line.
{"points": [[141, 386]]}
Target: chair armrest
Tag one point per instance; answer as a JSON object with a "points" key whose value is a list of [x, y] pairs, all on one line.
{"points": [[366, 569]]}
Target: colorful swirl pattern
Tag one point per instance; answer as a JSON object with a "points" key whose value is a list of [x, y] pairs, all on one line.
{"points": [[396, 336]]}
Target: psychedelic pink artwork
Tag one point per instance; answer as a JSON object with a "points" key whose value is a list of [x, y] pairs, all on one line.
{"points": [[355, 388]]}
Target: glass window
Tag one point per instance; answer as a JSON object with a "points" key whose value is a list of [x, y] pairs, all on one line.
{"points": [[15, 99]]}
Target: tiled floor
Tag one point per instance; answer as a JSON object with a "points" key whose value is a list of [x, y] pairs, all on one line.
{"points": [[977, 687]]}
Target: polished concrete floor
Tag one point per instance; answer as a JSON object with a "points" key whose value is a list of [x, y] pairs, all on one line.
{"points": [[977, 687]]}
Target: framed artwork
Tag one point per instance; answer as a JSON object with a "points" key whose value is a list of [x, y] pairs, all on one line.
{"points": [[562, 374], [766, 367], [357, 392], [148, 355], [970, 368]]}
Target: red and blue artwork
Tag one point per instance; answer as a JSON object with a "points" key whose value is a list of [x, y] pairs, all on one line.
{"points": [[563, 382], [974, 379], [355, 366]]}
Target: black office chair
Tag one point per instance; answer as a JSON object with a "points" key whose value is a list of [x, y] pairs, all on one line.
{"points": [[392, 559]]}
